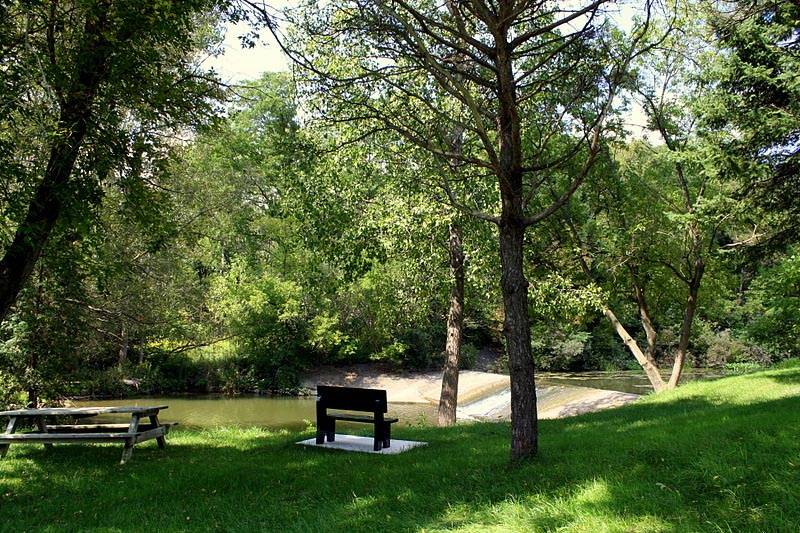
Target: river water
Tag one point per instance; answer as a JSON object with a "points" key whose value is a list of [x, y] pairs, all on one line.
{"points": [[249, 410], [298, 412], [623, 380]]}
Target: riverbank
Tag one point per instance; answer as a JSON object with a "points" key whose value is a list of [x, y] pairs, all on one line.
{"points": [[710, 456]]}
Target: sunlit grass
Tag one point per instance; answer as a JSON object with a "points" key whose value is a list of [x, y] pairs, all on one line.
{"points": [[715, 456]]}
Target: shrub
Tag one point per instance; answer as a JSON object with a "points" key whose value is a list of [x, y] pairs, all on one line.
{"points": [[11, 393], [469, 355], [723, 348], [742, 368]]}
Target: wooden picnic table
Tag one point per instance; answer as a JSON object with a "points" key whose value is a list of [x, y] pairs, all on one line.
{"points": [[130, 434]]}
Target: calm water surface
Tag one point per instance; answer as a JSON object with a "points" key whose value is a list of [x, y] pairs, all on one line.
{"points": [[293, 412], [265, 411], [623, 380]]}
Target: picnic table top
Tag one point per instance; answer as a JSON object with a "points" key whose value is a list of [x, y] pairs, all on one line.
{"points": [[85, 411]]}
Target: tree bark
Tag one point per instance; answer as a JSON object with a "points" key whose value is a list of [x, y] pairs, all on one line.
{"points": [[448, 401], [516, 323], [33, 398], [48, 201], [644, 315], [124, 347], [686, 325], [517, 333], [647, 363]]}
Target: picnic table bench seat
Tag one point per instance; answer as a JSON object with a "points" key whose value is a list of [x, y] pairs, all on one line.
{"points": [[353, 399], [129, 434]]}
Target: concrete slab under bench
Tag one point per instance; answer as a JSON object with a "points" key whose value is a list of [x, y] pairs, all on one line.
{"points": [[354, 443]]}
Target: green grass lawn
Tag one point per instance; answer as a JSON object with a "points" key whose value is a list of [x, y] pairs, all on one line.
{"points": [[715, 456]]}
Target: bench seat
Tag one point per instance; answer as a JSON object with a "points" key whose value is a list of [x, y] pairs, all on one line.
{"points": [[359, 418], [99, 428], [63, 437], [144, 433]]}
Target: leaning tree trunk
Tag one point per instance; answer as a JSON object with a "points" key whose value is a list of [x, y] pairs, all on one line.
{"points": [[448, 401], [48, 200], [644, 359]]}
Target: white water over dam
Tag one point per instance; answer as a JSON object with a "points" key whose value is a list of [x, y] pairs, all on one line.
{"points": [[552, 402], [481, 395]]}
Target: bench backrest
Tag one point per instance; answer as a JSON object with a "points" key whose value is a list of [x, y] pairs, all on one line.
{"points": [[352, 398]]}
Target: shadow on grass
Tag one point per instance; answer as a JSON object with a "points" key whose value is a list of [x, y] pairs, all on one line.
{"points": [[788, 377], [680, 465], [611, 399]]}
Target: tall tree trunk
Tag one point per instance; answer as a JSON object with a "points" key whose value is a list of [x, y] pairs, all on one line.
{"points": [[448, 401], [516, 324], [517, 333], [45, 207], [33, 397], [124, 347]]}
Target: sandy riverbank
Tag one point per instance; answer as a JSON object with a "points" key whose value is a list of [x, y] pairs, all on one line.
{"points": [[481, 395]]}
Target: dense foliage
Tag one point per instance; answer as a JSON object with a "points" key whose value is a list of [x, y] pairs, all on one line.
{"points": [[215, 240]]}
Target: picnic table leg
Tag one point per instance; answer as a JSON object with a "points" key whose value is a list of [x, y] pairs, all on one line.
{"points": [[127, 451], [10, 428], [162, 442], [41, 423]]}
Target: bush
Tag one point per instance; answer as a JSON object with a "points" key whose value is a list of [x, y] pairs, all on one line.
{"points": [[742, 368], [423, 348], [469, 355], [559, 350], [722, 348], [12, 395]]}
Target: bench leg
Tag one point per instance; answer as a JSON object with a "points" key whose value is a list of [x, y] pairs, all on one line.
{"points": [[387, 435], [326, 429], [10, 428], [330, 431], [162, 441], [41, 424], [378, 437], [322, 421]]}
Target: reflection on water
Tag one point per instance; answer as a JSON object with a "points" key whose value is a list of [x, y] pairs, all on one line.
{"points": [[623, 381], [293, 412], [266, 411]]}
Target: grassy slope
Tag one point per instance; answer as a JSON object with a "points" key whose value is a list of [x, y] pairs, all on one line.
{"points": [[719, 456]]}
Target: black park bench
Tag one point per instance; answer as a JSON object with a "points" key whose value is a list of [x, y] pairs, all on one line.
{"points": [[353, 399]]}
